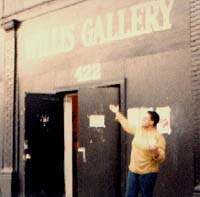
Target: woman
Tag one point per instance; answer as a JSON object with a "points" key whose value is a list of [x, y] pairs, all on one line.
{"points": [[148, 151]]}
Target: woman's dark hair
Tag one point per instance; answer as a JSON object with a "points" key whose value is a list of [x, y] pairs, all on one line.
{"points": [[154, 117]]}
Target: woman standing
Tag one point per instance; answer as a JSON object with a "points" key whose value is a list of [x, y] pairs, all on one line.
{"points": [[147, 152]]}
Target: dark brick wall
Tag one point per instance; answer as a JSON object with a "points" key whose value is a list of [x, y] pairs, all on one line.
{"points": [[195, 69], [1, 120], [1, 90]]}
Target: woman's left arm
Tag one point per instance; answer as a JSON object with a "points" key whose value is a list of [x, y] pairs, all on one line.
{"points": [[159, 151]]}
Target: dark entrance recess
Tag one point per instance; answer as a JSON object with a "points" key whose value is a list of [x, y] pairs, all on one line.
{"points": [[44, 135], [100, 174], [75, 144]]}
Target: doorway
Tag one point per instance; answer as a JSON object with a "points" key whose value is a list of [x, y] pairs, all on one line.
{"points": [[44, 145], [76, 136], [92, 148]]}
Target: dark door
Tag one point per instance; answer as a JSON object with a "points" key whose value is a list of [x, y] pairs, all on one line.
{"points": [[44, 148], [99, 172]]}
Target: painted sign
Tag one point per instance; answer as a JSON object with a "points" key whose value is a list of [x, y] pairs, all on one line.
{"points": [[135, 116], [128, 22], [133, 21], [88, 72]]}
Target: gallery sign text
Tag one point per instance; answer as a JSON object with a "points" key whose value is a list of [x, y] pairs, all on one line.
{"points": [[135, 20]]}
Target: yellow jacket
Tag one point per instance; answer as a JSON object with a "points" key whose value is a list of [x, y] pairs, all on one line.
{"points": [[142, 159]]}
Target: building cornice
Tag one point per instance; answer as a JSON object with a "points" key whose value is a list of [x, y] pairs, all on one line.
{"points": [[10, 25], [39, 10]]}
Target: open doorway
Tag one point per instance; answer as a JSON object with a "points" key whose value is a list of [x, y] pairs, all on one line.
{"points": [[92, 148], [44, 145], [50, 145], [74, 144]]}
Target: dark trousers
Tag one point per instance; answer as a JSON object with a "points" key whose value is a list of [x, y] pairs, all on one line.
{"points": [[143, 183]]}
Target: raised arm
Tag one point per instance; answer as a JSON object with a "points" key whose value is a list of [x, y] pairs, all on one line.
{"points": [[122, 120]]}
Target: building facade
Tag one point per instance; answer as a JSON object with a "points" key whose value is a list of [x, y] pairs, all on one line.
{"points": [[63, 62]]}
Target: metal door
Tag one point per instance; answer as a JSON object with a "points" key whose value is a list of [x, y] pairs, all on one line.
{"points": [[99, 157], [44, 142]]}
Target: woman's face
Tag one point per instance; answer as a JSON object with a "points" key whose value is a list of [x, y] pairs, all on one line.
{"points": [[146, 121]]}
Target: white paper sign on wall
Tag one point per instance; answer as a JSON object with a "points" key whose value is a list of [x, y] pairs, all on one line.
{"points": [[164, 123], [135, 116], [97, 121]]}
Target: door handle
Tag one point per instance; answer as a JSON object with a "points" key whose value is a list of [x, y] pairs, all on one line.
{"points": [[83, 151]]}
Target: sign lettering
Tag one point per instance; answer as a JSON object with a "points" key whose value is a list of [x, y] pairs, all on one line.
{"points": [[88, 72], [124, 23], [142, 19]]}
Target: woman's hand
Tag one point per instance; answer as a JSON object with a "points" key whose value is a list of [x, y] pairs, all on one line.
{"points": [[114, 108], [153, 148]]}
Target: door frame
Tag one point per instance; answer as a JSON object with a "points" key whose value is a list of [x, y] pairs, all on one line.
{"points": [[121, 84]]}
